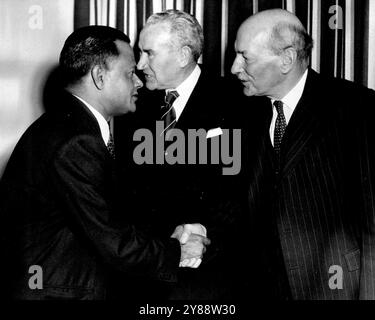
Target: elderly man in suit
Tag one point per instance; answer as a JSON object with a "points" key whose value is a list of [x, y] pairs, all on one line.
{"points": [[185, 97], [312, 177], [58, 194]]}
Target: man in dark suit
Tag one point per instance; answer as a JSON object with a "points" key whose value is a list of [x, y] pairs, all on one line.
{"points": [[170, 45], [312, 177], [60, 235]]}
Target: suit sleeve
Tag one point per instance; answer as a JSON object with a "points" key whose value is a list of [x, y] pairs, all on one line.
{"points": [[367, 194], [80, 171]]}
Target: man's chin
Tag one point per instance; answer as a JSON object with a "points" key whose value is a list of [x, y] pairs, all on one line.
{"points": [[248, 92], [132, 108], [129, 109]]}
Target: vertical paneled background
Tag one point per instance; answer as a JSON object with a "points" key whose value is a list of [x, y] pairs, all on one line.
{"points": [[32, 34]]}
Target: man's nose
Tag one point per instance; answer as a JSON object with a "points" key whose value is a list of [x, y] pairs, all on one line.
{"points": [[235, 66], [137, 82], [142, 62]]}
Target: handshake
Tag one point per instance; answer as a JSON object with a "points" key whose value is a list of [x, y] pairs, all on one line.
{"points": [[193, 240]]}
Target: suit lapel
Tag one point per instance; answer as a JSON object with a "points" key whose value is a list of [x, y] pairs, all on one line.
{"points": [[303, 126], [84, 116], [258, 158], [191, 113], [201, 110]]}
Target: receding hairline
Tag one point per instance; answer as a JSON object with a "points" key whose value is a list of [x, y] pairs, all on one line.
{"points": [[264, 25], [265, 21], [182, 29]]}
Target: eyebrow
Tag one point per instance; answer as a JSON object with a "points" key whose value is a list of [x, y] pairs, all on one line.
{"points": [[146, 50], [243, 52], [131, 69]]}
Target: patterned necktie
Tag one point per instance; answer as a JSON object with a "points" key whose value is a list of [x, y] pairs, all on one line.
{"points": [[168, 112], [280, 126], [111, 146]]}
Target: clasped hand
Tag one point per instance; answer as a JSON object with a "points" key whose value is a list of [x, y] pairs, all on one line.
{"points": [[193, 240]]}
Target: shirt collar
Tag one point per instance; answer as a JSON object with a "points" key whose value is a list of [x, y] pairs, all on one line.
{"points": [[294, 95], [184, 91], [103, 125]]}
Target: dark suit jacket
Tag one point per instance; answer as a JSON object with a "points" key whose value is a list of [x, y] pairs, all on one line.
{"points": [[57, 201], [170, 195], [321, 196]]}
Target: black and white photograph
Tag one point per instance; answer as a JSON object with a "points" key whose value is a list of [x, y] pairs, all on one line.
{"points": [[187, 158]]}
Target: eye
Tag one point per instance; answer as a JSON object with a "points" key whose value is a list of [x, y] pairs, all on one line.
{"points": [[248, 59], [128, 74]]}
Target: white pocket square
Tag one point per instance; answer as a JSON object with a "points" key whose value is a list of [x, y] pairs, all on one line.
{"points": [[214, 132]]}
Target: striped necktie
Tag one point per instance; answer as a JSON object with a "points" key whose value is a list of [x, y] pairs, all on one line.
{"points": [[168, 114]]}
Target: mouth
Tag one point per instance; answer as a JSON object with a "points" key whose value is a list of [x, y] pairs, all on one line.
{"points": [[242, 77], [135, 96], [243, 81]]}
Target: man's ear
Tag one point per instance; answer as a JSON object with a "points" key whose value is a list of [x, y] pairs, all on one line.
{"points": [[97, 76], [288, 59], [185, 56]]}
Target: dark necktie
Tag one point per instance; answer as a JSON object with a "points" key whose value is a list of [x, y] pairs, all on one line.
{"points": [[168, 113], [280, 126], [111, 146]]}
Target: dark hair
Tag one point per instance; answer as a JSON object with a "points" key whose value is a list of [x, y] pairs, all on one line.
{"points": [[86, 47], [185, 27], [284, 35]]}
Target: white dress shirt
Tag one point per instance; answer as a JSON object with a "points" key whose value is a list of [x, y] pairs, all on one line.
{"points": [[184, 91], [290, 102], [103, 125]]}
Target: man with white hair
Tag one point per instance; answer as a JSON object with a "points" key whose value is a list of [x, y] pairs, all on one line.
{"points": [[183, 96]]}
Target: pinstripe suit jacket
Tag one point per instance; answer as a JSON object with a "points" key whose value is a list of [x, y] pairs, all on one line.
{"points": [[322, 200]]}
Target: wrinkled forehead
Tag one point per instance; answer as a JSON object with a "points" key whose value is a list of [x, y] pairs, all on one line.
{"points": [[249, 36]]}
